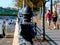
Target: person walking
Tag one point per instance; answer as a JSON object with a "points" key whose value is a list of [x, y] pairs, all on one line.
{"points": [[48, 18], [4, 25], [54, 17]]}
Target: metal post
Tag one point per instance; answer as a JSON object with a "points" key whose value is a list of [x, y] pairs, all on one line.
{"points": [[43, 20], [51, 6], [44, 2], [24, 3]]}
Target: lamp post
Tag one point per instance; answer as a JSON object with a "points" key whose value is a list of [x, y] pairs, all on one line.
{"points": [[43, 20], [44, 2], [51, 5]]}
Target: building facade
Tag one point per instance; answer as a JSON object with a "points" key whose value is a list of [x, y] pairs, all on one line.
{"points": [[56, 6]]}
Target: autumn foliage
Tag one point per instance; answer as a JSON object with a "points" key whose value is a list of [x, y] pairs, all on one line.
{"points": [[18, 3], [36, 4]]}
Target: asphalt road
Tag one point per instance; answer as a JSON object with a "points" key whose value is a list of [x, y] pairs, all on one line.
{"points": [[6, 41]]}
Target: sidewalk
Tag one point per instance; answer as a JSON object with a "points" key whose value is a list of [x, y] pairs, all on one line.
{"points": [[40, 22], [15, 40], [52, 35]]}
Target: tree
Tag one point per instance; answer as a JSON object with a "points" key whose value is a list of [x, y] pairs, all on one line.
{"points": [[34, 1], [35, 4], [18, 3]]}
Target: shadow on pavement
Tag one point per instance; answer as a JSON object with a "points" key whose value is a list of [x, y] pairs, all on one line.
{"points": [[47, 37]]}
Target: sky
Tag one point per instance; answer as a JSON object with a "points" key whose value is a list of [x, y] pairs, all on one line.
{"points": [[48, 3], [10, 3], [6, 3]]}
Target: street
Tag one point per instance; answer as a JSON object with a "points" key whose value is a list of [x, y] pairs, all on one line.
{"points": [[6, 41]]}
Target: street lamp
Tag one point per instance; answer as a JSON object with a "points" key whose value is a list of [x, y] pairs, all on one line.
{"points": [[44, 2]]}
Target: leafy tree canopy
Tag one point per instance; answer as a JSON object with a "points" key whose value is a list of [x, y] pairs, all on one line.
{"points": [[35, 4]]}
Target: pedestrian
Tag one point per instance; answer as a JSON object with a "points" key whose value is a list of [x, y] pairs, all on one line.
{"points": [[48, 18], [4, 21], [54, 17]]}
